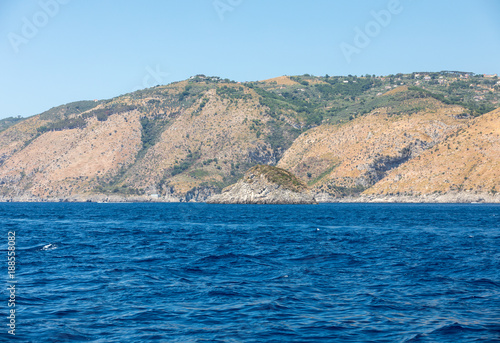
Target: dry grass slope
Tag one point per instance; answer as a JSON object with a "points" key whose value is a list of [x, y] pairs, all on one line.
{"points": [[354, 156], [277, 176], [467, 161], [281, 80]]}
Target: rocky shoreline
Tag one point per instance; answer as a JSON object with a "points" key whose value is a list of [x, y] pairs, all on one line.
{"points": [[266, 197], [448, 198], [265, 184], [281, 196]]}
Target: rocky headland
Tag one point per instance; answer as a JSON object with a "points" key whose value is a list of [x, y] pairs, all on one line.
{"points": [[264, 184]]}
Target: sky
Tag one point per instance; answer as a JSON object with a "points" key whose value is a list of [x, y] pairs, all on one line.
{"points": [[54, 52]]}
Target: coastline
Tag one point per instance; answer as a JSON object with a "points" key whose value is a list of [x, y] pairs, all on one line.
{"points": [[321, 198], [448, 198]]}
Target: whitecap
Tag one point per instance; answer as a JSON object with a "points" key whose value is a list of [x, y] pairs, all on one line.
{"points": [[49, 246]]}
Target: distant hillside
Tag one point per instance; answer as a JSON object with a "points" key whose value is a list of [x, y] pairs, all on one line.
{"points": [[467, 161], [349, 158], [8, 122], [188, 140]]}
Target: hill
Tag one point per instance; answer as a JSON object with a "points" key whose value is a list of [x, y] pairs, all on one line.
{"points": [[188, 140], [264, 184], [346, 159], [466, 164]]}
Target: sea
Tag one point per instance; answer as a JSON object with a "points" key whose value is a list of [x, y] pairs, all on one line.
{"points": [[193, 272]]}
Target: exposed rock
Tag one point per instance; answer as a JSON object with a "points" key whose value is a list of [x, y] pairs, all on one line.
{"points": [[465, 163], [265, 185], [199, 194], [264, 156], [452, 197], [358, 154]]}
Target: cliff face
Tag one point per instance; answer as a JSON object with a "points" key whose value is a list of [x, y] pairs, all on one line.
{"points": [[265, 185]]}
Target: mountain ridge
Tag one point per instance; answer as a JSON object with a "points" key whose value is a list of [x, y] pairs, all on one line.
{"points": [[188, 140]]}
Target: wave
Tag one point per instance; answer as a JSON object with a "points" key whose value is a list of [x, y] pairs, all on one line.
{"points": [[49, 246]]}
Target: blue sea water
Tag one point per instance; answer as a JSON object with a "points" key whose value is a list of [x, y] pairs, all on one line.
{"points": [[235, 273]]}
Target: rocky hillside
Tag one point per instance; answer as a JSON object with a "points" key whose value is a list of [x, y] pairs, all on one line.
{"points": [[184, 140], [467, 162], [264, 184], [346, 159], [343, 136]]}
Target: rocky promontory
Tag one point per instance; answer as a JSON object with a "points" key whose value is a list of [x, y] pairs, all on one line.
{"points": [[263, 184]]}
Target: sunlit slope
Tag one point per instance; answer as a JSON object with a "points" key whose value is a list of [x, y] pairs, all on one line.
{"points": [[467, 161], [349, 158]]}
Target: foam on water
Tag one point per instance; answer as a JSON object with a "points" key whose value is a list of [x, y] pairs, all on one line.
{"points": [[49, 246]]}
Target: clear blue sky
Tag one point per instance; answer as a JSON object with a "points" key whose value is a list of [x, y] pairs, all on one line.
{"points": [[90, 49]]}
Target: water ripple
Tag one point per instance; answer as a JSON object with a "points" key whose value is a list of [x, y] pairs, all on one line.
{"points": [[209, 273]]}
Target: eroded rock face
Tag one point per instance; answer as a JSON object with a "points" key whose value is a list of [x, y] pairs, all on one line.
{"points": [[199, 194], [265, 185]]}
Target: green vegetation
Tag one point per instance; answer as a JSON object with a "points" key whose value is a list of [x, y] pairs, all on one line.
{"points": [[256, 125], [278, 176], [312, 104], [118, 189], [60, 112], [334, 99], [234, 93], [113, 185], [273, 101], [308, 103], [151, 131], [203, 103], [29, 141], [352, 88], [322, 175], [102, 114], [281, 135], [475, 108], [207, 162], [65, 124], [347, 191], [185, 93], [278, 112], [395, 104], [80, 122], [10, 121], [199, 173], [190, 160]]}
